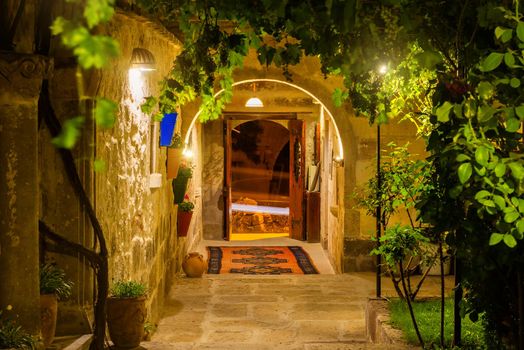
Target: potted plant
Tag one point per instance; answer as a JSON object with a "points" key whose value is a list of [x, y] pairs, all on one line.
{"points": [[184, 215], [174, 156], [126, 313], [180, 183], [53, 286]]}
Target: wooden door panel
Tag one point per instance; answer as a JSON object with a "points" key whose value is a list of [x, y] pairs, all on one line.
{"points": [[227, 179], [296, 178]]}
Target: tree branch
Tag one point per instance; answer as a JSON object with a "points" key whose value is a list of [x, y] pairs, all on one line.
{"points": [[53, 124], [67, 247], [14, 26]]}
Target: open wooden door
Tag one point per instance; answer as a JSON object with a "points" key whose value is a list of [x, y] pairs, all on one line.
{"points": [[296, 179], [227, 179]]}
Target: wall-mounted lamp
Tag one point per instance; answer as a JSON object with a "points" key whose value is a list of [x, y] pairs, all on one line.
{"points": [[187, 152], [142, 60], [254, 102]]}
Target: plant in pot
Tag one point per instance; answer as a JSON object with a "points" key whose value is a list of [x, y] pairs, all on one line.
{"points": [[184, 215], [54, 285], [174, 156], [126, 313], [180, 183]]}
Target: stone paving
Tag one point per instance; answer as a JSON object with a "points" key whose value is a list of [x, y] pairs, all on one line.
{"points": [[309, 312]]}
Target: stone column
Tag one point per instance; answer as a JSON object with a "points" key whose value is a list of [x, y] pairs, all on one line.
{"points": [[20, 82]]}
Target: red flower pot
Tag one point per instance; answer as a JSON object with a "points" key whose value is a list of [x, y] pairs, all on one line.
{"points": [[183, 221]]}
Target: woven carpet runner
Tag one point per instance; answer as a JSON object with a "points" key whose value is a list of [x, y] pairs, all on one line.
{"points": [[259, 260]]}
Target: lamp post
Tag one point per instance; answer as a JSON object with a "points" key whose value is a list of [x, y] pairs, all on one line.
{"points": [[382, 70]]}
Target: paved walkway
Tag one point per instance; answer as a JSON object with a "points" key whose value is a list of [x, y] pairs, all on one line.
{"points": [[310, 312]]}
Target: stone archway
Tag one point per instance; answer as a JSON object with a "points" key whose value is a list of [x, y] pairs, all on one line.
{"points": [[343, 138]]}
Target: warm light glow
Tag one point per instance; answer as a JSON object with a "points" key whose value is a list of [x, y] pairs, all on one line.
{"points": [[248, 81], [246, 208], [254, 102], [137, 85], [383, 69], [188, 153]]}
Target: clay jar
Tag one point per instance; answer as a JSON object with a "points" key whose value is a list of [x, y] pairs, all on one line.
{"points": [[125, 320], [194, 265], [48, 312]]}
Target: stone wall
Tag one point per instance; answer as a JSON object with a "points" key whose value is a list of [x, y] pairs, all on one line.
{"points": [[139, 221], [20, 81], [360, 227]]}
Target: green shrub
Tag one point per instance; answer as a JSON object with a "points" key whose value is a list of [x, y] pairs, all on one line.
{"points": [[184, 171], [53, 281], [13, 336], [128, 289], [176, 141], [186, 206]]}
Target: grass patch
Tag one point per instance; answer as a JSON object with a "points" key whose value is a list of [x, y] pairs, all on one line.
{"points": [[427, 313]]}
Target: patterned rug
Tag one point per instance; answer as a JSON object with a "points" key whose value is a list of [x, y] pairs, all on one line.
{"points": [[259, 261]]}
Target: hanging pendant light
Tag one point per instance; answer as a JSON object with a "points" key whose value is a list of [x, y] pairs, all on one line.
{"points": [[254, 102]]}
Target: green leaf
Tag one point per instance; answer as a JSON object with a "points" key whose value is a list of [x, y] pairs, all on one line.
{"points": [[485, 113], [514, 83], [510, 241], [59, 25], [499, 201], [517, 170], [339, 96], [520, 31], [495, 238], [511, 216], [99, 165], [512, 125], [462, 158], [491, 62], [482, 155], [504, 34], [98, 11], [70, 133], [500, 169], [105, 112], [482, 194], [520, 226], [509, 60], [520, 112], [442, 112], [485, 90], [464, 172]]}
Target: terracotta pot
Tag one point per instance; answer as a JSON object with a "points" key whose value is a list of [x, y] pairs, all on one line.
{"points": [[183, 221], [194, 265], [174, 157], [125, 320], [48, 312]]}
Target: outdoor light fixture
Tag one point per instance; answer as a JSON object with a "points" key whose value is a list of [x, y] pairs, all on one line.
{"points": [[383, 69], [142, 60], [187, 152], [254, 102]]}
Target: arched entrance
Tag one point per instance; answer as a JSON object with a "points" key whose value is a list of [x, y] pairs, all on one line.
{"points": [[322, 152]]}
